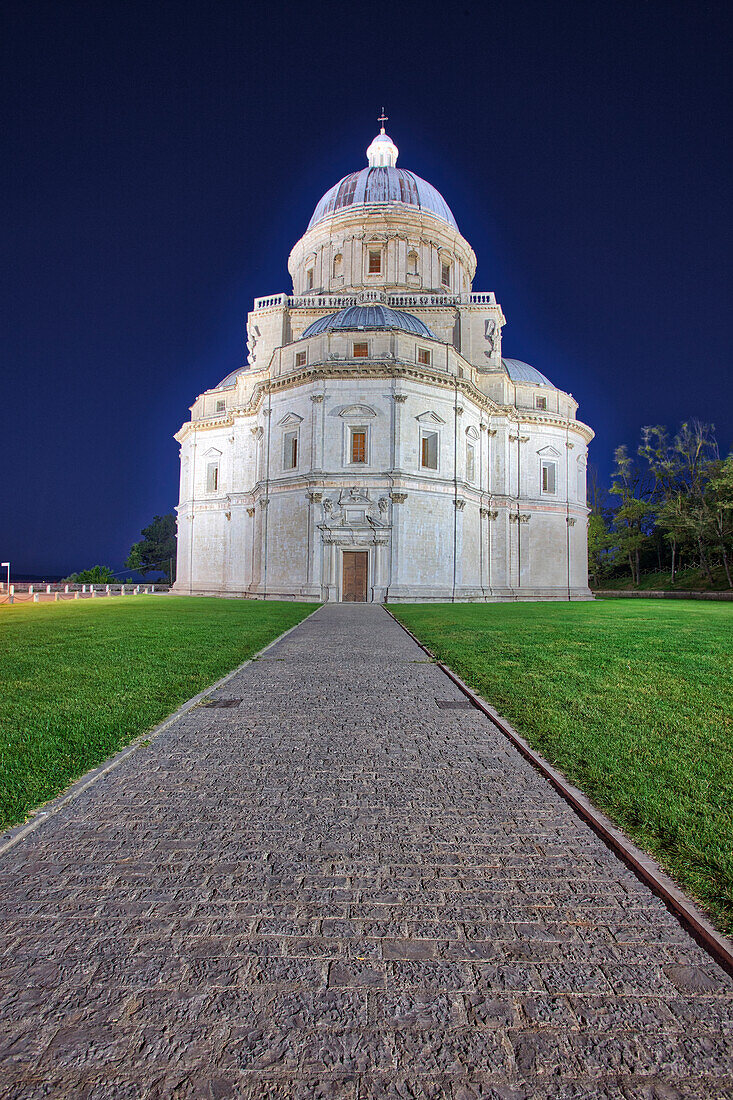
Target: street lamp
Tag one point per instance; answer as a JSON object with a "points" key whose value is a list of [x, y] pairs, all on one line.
{"points": [[6, 565]]}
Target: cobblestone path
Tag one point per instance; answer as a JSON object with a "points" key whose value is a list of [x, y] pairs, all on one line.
{"points": [[338, 889]]}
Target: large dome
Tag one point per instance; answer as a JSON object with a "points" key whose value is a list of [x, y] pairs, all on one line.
{"points": [[382, 185], [369, 317]]}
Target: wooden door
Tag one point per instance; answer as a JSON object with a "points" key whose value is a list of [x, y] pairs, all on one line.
{"points": [[354, 576]]}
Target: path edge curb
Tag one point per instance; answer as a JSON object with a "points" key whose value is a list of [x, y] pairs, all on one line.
{"points": [[641, 863], [47, 810]]}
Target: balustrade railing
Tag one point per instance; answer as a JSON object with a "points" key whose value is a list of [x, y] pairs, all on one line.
{"points": [[273, 300], [399, 299], [323, 301]]}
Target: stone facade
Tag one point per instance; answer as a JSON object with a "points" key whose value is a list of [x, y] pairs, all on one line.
{"points": [[469, 479]]}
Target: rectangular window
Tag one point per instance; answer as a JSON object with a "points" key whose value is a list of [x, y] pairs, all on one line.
{"points": [[290, 450], [540, 403], [375, 261], [361, 350], [358, 445], [300, 358], [309, 279], [221, 406], [549, 477], [470, 462], [423, 356], [212, 477], [445, 274], [429, 450]]}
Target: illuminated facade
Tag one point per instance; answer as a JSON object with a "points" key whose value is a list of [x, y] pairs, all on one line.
{"points": [[377, 446]]}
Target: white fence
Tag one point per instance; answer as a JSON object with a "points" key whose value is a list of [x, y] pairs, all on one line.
{"points": [[45, 592]]}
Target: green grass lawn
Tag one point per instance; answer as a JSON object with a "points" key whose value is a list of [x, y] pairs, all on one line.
{"points": [[632, 700], [80, 680]]}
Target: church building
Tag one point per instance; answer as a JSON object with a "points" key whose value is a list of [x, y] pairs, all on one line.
{"points": [[377, 446]]}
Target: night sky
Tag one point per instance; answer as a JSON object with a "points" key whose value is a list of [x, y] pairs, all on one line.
{"points": [[161, 159]]}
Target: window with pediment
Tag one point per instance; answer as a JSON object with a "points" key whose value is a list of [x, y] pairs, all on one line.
{"points": [[549, 476], [212, 477], [290, 450], [428, 449]]}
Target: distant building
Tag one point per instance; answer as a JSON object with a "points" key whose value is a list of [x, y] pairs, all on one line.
{"points": [[377, 446]]}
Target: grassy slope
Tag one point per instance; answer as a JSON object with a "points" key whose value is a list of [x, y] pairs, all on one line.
{"points": [[686, 580], [633, 700], [79, 680]]}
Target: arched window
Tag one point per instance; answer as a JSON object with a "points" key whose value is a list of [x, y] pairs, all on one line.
{"points": [[338, 265], [412, 262], [470, 462]]}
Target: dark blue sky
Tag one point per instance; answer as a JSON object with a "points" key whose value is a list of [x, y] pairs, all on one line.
{"points": [[160, 160]]}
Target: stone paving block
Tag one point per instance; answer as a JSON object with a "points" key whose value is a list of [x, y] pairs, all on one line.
{"points": [[419, 1010], [357, 974], [339, 891], [451, 1053], [543, 1054]]}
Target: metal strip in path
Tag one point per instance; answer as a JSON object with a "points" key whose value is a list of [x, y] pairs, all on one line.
{"points": [[339, 889]]}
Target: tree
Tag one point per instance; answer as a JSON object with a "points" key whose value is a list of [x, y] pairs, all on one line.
{"points": [[633, 518], [664, 465], [601, 541], [98, 574], [719, 500], [601, 548], [156, 551], [697, 452]]}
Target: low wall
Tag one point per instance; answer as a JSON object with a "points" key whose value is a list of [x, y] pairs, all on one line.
{"points": [[656, 594]]}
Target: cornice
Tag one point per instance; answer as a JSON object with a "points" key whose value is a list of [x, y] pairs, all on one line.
{"points": [[387, 369]]}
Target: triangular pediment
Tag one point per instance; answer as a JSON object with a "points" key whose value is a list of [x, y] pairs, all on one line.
{"points": [[430, 417], [212, 453], [548, 452], [290, 421]]}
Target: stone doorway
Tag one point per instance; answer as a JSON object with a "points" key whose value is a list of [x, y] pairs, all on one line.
{"points": [[354, 576]]}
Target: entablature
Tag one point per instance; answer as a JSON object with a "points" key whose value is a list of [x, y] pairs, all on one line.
{"points": [[362, 370]]}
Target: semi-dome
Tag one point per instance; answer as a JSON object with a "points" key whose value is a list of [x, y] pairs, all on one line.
{"points": [[522, 372], [369, 317], [230, 379]]}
